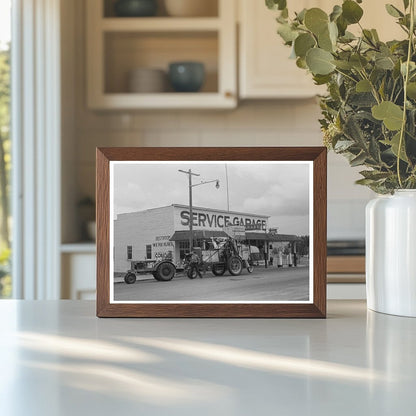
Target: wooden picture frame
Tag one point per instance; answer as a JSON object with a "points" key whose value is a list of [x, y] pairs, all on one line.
{"points": [[313, 307]]}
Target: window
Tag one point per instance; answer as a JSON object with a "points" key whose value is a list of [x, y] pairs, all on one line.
{"points": [[129, 252], [5, 145], [183, 249], [148, 251]]}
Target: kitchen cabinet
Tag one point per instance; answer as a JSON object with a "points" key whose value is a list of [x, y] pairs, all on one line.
{"points": [[78, 263], [265, 70], [118, 45], [264, 66]]}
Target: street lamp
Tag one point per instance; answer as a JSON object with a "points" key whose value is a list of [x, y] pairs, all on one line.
{"points": [[191, 185]]}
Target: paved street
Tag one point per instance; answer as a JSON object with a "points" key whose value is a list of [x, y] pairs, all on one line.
{"points": [[287, 284]]}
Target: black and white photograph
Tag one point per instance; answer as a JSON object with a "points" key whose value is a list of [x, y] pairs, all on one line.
{"points": [[220, 232]]}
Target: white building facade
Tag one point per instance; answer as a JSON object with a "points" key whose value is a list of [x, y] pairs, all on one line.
{"points": [[163, 232]]}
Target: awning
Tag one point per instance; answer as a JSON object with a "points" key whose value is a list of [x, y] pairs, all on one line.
{"points": [[197, 235], [271, 237], [250, 235]]}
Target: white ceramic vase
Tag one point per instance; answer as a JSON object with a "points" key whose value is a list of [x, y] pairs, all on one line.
{"points": [[391, 253]]}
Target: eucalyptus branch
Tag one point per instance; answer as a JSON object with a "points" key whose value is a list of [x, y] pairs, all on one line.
{"points": [[406, 80], [373, 88], [346, 75]]}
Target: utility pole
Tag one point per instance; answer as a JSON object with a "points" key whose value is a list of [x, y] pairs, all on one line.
{"points": [[191, 214], [191, 218], [228, 195]]}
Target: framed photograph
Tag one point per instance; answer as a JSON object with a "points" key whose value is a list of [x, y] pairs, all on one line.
{"points": [[211, 232]]}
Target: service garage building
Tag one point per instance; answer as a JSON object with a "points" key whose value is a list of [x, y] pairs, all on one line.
{"points": [[164, 232]]}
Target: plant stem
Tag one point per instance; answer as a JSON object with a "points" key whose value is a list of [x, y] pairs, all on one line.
{"points": [[406, 80], [346, 75]]}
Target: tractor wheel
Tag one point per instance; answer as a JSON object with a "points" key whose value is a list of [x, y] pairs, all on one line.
{"points": [[235, 265], [155, 275], [165, 272], [192, 274], [218, 269], [130, 278]]}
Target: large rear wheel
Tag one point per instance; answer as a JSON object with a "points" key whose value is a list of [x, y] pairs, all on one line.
{"points": [[235, 265], [218, 269], [165, 272], [130, 278]]}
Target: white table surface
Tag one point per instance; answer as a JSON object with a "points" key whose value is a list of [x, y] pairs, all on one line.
{"points": [[57, 358]]}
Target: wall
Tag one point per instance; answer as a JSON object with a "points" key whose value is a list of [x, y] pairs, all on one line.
{"points": [[254, 123], [138, 230]]}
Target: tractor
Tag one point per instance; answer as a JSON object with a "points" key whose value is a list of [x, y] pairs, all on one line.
{"points": [[162, 270], [219, 257]]}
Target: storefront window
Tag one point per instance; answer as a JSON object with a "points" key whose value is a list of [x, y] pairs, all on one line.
{"points": [[148, 251], [183, 249]]}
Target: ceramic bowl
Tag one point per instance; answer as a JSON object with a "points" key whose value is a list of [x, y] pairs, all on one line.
{"points": [[135, 8], [186, 76], [147, 80]]}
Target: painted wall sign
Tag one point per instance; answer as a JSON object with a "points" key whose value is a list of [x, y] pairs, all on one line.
{"points": [[211, 220], [162, 247]]}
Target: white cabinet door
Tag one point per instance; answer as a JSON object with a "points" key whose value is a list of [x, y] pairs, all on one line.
{"points": [[78, 276], [265, 68]]}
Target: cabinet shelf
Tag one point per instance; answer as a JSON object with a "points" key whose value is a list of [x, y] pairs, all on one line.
{"points": [[198, 100], [116, 46], [160, 24]]}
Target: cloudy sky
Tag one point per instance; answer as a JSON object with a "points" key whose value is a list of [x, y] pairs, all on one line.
{"points": [[278, 190]]}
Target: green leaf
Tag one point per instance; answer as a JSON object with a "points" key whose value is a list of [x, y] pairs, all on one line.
{"points": [[347, 37], [303, 43], [384, 62], [394, 145], [358, 61], [344, 65], [354, 132], [391, 114], [301, 15], [375, 35], [336, 12], [287, 33], [411, 90], [325, 42], [321, 79], [301, 63], [374, 174], [320, 61], [316, 20], [276, 4], [333, 32], [343, 145], [393, 11], [406, 4], [352, 12], [368, 36], [342, 25], [363, 86], [358, 160]]}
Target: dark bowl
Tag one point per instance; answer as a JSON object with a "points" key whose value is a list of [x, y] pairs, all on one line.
{"points": [[187, 76], [135, 8]]}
